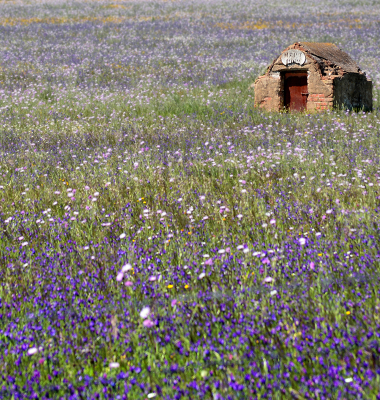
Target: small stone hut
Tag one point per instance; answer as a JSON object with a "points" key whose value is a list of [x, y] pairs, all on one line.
{"points": [[313, 76]]}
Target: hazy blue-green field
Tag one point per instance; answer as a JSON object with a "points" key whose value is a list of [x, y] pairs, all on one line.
{"points": [[160, 236]]}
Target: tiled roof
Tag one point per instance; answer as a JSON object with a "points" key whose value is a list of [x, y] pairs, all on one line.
{"points": [[332, 53]]}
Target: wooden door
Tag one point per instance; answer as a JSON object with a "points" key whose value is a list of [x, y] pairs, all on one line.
{"points": [[296, 91]]}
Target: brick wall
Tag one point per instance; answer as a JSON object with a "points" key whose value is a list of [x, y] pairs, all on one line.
{"points": [[266, 102], [267, 92], [319, 102]]}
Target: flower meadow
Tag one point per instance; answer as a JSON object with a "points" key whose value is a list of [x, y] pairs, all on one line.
{"points": [[160, 236]]}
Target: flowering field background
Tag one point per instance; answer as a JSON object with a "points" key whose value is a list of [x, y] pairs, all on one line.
{"points": [[160, 237]]}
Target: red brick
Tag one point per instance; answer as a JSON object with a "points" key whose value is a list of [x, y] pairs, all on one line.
{"points": [[326, 91]]}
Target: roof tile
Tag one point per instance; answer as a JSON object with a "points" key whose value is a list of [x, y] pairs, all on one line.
{"points": [[332, 53]]}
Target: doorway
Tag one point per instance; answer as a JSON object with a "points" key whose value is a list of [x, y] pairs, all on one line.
{"points": [[295, 91]]}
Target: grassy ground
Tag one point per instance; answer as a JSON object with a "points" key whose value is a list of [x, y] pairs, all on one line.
{"points": [[161, 237]]}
